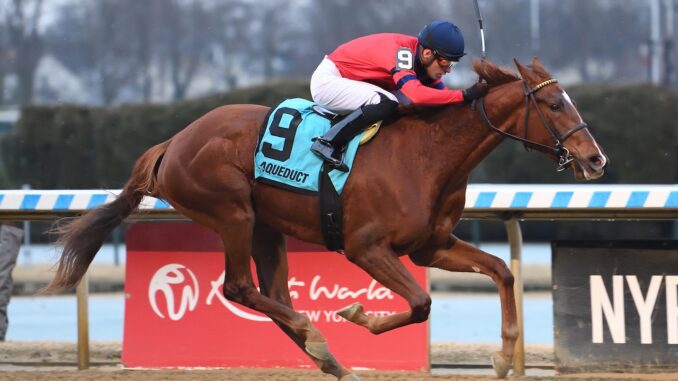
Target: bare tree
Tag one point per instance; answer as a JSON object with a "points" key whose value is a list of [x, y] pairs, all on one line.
{"points": [[184, 41], [113, 52], [109, 44], [144, 21], [270, 37], [128, 50], [597, 37], [507, 25], [281, 40], [233, 27], [5, 58], [25, 44], [95, 40]]}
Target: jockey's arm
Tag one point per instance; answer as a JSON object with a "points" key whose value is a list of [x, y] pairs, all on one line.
{"points": [[419, 94]]}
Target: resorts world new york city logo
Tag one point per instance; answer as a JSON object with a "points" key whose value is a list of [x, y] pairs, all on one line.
{"points": [[178, 287], [162, 282]]}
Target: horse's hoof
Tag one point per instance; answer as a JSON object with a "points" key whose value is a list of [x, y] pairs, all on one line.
{"points": [[500, 365], [351, 312], [318, 350], [350, 377]]}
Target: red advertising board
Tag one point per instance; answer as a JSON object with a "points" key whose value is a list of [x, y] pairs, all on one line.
{"points": [[177, 316]]}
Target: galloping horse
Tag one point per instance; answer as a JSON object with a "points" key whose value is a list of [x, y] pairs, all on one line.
{"points": [[405, 195]]}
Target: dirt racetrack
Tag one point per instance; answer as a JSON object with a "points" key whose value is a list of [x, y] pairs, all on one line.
{"points": [[43, 361], [118, 374], [230, 374], [221, 375]]}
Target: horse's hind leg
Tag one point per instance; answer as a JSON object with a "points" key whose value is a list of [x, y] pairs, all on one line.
{"points": [[202, 178], [233, 220], [270, 257], [460, 256]]}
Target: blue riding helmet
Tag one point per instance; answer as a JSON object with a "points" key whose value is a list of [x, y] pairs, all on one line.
{"points": [[444, 38]]}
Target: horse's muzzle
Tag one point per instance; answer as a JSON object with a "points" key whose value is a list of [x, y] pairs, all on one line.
{"points": [[597, 162], [590, 168]]}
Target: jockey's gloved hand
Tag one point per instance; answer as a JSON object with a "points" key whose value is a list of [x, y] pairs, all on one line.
{"points": [[476, 91]]}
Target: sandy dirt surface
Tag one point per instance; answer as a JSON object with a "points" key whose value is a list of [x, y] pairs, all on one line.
{"points": [[108, 353], [42, 361], [226, 374], [283, 375]]}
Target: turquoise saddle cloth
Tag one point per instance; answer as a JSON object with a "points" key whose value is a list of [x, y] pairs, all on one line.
{"points": [[283, 157]]}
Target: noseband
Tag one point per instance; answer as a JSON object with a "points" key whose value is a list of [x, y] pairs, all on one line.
{"points": [[564, 156]]}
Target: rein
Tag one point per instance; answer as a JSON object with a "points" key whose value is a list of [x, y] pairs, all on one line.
{"points": [[564, 156]]}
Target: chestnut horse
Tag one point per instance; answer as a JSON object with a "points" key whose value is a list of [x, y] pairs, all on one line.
{"points": [[405, 195]]}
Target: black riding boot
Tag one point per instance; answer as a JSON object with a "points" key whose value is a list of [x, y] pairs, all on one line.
{"points": [[330, 146]]}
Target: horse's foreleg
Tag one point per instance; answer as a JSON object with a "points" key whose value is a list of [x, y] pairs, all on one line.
{"points": [[270, 257], [461, 256], [384, 266]]}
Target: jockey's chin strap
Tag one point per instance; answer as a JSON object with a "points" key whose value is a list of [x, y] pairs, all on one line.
{"points": [[564, 156]]}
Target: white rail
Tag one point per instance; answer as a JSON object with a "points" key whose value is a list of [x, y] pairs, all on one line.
{"points": [[483, 201]]}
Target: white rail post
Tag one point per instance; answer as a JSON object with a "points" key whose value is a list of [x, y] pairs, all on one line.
{"points": [[515, 237], [82, 294]]}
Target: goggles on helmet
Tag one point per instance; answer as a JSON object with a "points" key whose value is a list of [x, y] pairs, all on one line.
{"points": [[444, 62]]}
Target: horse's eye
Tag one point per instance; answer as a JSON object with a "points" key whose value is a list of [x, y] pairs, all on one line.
{"points": [[554, 107]]}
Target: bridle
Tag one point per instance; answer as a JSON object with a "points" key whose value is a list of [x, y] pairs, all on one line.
{"points": [[563, 154]]}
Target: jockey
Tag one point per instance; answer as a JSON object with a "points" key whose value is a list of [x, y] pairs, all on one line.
{"points": [[360, 77]]}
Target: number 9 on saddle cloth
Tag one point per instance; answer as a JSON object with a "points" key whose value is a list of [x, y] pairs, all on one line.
{"points": [[283, 158]]}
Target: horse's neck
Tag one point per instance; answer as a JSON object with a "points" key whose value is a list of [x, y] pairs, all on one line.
{"points": [[470, 141]]}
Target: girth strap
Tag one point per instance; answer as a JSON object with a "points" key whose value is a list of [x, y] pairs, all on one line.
{"points": [[331, 213]]}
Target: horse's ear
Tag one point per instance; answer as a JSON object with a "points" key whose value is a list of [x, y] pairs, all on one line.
{"points": [[538, 68], [528, 75], [535, 61], [479, 67]]}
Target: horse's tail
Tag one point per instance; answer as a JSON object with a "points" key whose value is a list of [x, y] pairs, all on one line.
{"points": [[83, 236]]}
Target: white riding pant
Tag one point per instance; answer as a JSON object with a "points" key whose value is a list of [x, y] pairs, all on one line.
{"points": [[342, 95]]}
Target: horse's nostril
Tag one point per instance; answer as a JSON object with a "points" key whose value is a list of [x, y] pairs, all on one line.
{"points": [[597, 161]]}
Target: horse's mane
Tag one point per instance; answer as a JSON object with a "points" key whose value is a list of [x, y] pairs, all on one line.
{"points": [[494, 75]]}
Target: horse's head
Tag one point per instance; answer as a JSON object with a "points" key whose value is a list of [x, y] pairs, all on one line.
{"points": [[549, 121]]}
